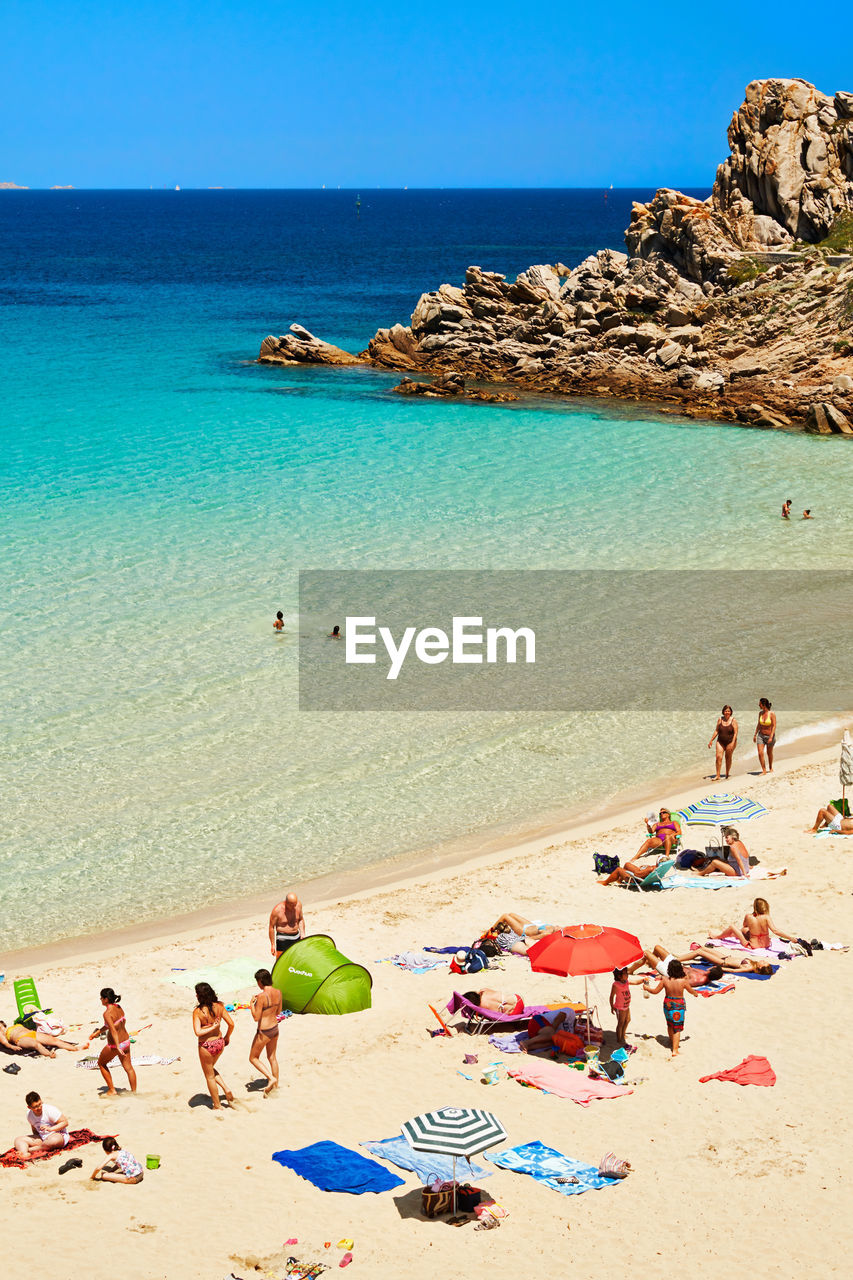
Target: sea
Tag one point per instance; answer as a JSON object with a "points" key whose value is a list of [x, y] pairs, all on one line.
{"points": [[161, 492]]}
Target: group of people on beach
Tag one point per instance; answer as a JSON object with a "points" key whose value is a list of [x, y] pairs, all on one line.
{"points": [[725, 736]]}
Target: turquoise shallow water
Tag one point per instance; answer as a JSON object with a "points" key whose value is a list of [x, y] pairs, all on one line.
{"points": [[160, 494]]}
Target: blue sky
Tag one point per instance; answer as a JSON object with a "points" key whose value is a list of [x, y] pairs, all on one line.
{"points": [[468, 94]]}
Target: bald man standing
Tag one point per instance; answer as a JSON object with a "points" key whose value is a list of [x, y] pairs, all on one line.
{"points": [[287, 924]]}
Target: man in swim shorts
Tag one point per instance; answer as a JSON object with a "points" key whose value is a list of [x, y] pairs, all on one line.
{"points": [[831, 819], [287, 924]]}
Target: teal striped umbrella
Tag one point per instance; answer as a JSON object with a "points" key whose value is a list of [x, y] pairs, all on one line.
{"points": [[722, 809]]}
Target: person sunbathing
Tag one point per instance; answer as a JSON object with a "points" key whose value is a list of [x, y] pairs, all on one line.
{"points": [[21, 1039], [735, 861], [663, 834], [547, 1031], [660, 958], [757, 928], [515, 933], [831, 819], [494, 1001], [632, 871]]}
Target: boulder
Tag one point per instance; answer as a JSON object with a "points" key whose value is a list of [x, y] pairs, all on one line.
{"points": [[301, 347], [669, 354]]}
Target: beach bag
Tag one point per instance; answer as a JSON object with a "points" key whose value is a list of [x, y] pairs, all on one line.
{"points": [[437, 1199], [604, 863], [688, 858], [612, 1167], [467, 1197], [843, 807]]}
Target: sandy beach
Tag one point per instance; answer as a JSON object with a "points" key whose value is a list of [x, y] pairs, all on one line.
{"points": [[721, 1173]]}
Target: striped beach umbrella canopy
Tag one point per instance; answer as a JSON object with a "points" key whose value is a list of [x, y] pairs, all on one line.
{"points": [[722, 808], [454, 1131]]}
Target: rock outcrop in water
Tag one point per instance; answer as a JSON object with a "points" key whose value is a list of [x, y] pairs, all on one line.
{"points": [[729, 307]]}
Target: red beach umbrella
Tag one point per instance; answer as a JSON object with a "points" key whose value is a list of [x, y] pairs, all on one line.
{"points": [[582, 949]]}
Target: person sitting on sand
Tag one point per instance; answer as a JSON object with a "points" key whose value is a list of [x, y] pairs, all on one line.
{"points": [[120, 1166], [49, 1129], [736, 858], [663, 834], [494, 1000], [208, 1016], [757, 928], [547, 1030], [515, 933], [676, 984], [833, 820], [265, 1008], [632, 871], [287, 924]]}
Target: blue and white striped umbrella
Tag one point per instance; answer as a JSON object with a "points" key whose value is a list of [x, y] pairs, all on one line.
{"points": [[723, 808]]}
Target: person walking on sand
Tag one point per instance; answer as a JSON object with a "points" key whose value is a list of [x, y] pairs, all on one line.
{"points": [[118, 1040], [287, 924], [208, 1016], [765, 734], [786, 509], [48, 1126], [620, 1002], [265, 1007], [675, 983], [726, 736]]}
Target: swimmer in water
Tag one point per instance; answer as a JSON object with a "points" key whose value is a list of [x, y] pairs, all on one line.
{"points": [[786, 509], [807, 514], [278, 625], [335, 634]]}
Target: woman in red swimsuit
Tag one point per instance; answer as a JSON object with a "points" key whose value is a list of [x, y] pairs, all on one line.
{"points": [[208, 1015], [757, 928]]}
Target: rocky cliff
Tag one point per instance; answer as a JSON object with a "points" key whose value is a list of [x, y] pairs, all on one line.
{"points": [[736, 306]]}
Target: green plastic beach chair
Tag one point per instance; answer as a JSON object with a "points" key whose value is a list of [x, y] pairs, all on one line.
{"points": [[25, 997]]}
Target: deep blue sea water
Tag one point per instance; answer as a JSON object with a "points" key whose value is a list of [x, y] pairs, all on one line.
{"points": [[160, 491]]}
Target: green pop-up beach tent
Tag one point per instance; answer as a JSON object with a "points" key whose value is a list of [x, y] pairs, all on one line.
{"points": [[313, 977]]}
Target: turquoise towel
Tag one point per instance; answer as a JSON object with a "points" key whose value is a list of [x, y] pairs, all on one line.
{"points": [[546, 1165]]}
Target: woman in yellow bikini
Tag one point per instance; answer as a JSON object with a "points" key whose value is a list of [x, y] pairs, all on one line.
{"points": [[118, 1040], [765, 734]]}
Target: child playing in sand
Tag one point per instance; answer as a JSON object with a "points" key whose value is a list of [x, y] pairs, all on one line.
{"points": [[620, 1002], [675, 985]]}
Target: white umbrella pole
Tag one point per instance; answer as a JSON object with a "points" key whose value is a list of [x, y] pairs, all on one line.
{"points": [[454, 1186]]}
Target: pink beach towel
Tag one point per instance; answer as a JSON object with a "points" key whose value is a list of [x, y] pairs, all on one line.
{"points": [[751, 1071], [553, 1077]]}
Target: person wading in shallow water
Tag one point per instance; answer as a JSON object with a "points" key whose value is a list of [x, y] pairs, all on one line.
{"points": [[287, 924]]}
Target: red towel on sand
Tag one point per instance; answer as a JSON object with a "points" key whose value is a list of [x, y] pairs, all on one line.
{"points": [[751, 1071], [76, 1138]]}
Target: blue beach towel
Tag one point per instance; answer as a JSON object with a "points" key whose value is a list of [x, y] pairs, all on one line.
{"points": [[680, 881], [426, 1166], [546, 1165], [334, 1168]]}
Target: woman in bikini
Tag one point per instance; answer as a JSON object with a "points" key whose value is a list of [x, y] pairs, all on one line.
{"points": [[118, 1040], [515, 933], [765, 734], [208, 1015], [265, 1007], [662, 834], [19, 1039], [757, 928], [726, 735]]}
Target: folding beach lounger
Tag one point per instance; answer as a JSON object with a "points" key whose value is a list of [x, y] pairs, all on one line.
{"points": [[653, 881], [486, 1020], [26, 996]]}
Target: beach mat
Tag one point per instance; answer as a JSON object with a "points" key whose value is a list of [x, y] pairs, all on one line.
{"points": [[226, 978], [546, 1165], [334, 1168], [76, 1138], [425, 1165], [553, 1077]]}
